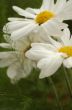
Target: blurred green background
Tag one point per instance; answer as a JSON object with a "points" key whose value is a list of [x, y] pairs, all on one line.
{"points": [[31, 93]]}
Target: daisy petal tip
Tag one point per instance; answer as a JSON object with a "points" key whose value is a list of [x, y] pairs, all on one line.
{"points": [[32, 44], [41, 76], [9, 19], [26, 54], [14, 7]]}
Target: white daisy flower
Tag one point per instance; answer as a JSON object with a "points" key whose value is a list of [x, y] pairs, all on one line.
{"points": [[18, 65], [51, 56], [50, 17]]}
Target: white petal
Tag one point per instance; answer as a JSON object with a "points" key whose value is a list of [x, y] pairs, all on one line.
{"points": [[47, 4], [51, 5], [21, 44], [36, 53], [19, 70], [23, 12], [12, 70], [67, 33], [62, 25], [53, 27], [55, 43], [59, 5], [14, 25], [23, 31], [28, 66], [39, 35], [5, 45], [66, 12], [49, 65], [66, 37], [6, 54], [15, 19], [33, 11], [6, 62], [7, 38], [44, 45], [68, 62], [12, 19]]}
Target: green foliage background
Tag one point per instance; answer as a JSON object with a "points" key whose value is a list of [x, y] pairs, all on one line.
{"points": [[31, 93]]}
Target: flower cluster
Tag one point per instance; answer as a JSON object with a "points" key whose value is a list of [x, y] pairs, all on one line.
{"points": [[37, 39]]}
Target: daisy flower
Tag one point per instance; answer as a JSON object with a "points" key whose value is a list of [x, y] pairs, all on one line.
{"points": [[51, 56], [50, 17], [18, 65]]}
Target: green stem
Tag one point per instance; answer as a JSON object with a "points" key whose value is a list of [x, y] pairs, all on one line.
{"points": [[70, 71], [56, 93], [67, 81]]}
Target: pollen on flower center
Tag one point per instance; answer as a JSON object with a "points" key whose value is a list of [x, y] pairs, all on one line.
{"points": [[44, 16], [67, 50]]}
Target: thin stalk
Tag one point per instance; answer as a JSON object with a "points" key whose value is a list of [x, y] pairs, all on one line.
{"points": [[70, 71], [68, 81], [56, 93]]}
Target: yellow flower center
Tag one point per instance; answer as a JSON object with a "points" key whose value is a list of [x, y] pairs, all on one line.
{"points": [[67, 50], [44, 16]]}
